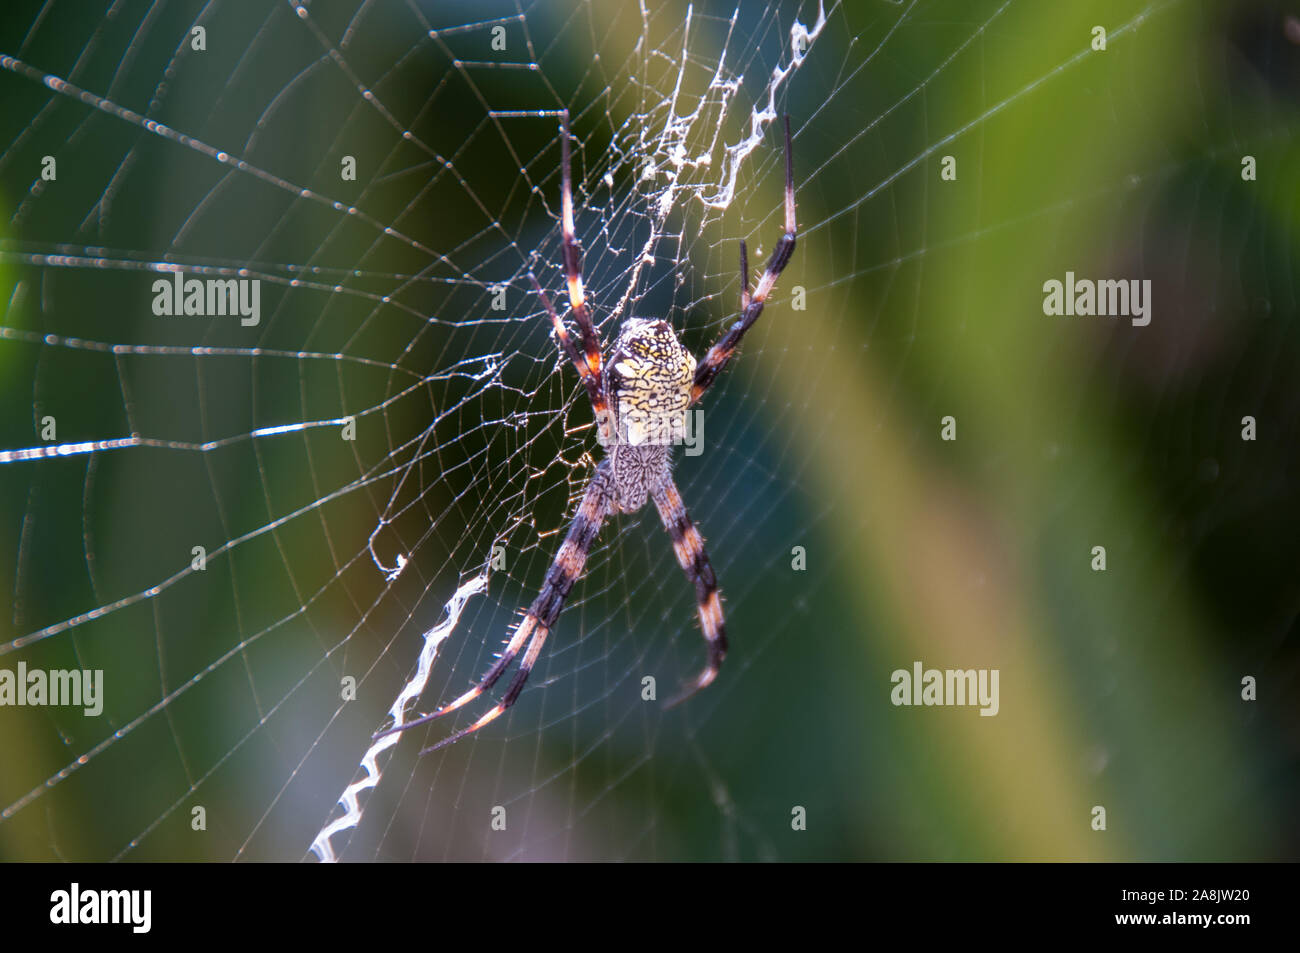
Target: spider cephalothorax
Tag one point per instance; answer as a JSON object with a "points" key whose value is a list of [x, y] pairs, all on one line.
{"points": [[647, 381], [640, 395]]}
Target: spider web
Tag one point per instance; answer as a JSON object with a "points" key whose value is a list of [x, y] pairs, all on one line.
{"points": [[380, 470]]}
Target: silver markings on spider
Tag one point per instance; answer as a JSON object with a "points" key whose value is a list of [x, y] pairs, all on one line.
{"points": [[648, 379]]}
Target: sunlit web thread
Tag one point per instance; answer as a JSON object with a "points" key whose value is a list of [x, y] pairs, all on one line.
{"points": [[65, 88]]}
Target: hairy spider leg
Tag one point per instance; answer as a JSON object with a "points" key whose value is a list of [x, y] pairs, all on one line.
{"points": [[592, 381], [691, 556], [536, 624], [744, 276], [573, 258], [752, 304]]}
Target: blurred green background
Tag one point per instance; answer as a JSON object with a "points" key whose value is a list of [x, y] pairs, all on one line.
{"points": [[1119, 688]]}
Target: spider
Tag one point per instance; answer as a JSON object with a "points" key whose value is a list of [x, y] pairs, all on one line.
{"points": [[640, 393]]}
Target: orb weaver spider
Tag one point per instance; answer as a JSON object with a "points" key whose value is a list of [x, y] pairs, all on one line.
{"points": [[648, 377]]}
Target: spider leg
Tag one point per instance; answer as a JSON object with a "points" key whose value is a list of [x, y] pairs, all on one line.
{"points": [[752, 304], [573, 258], [516, 686], [522, 632], [536, 624], [689, 547], [591, 380], [744, 276], [586, 359]]}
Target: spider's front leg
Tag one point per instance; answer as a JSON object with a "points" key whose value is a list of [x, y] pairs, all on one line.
{"points": [[751, 305], [586, 359], [689, 547]]}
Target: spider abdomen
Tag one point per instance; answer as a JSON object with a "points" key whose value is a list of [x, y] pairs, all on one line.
{"points": [[638, 472]]}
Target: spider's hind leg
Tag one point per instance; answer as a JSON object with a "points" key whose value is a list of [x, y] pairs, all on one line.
{"points": [[541, 615], [523, 631], [691, 556]]}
